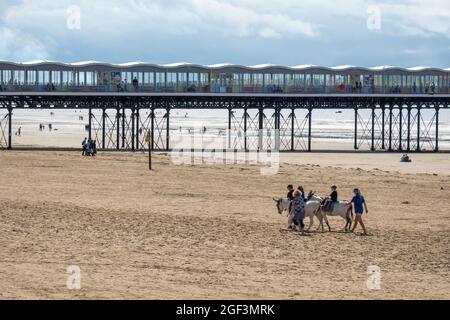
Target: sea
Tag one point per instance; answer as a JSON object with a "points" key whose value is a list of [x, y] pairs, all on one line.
{"points": [[331, 129]]}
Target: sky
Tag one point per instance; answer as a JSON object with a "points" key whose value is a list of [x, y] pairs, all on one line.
{"points": [[404, 33]]}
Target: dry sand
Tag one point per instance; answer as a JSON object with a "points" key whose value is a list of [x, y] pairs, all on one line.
{"points": [[203, 232]]}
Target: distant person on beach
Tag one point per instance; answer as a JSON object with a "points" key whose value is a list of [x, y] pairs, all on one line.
{"points": [[405, 158], [89, 147], [84, 145], [93, 148], [359, 204]]}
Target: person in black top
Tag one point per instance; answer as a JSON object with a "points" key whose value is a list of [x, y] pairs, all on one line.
{"points": [[334, 194], [290, 194], [333, 198]]}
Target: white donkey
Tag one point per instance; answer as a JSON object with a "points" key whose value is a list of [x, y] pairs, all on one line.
{"points": [[312, 208], [342, 209]]}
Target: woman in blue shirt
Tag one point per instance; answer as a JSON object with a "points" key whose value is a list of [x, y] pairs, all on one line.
{"points": [[298, 205], [359, 204]]}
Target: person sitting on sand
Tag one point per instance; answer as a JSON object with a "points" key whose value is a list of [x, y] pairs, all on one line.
{"points": [[298, 205], [359, 204], [405, 158]]}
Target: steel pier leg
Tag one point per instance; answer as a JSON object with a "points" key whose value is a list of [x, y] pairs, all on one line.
{"points": [[409, 129], [245, 129], [123, 128], [103, 128], [90, 123], [132, 128], [138, 124], [261, 129], [10, 128], [167, 129], [152, 129], [372, 148], [383, 124], [400, 134], [309, 129], [118, 128], [390, 127], [230, 115], [356, 129], [292, 129], [436, 147], [419, 118]]}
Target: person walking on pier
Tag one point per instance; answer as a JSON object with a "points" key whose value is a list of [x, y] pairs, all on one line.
{"points": [[359, 204]]}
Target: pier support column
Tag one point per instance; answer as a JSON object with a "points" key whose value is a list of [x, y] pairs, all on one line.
{"points": [[356, 129], [409, 129], [245, 129], [152, 129], [133, 115], [137, 117], [372, 147], [436, 145], [277, 129], [117, 128], [167, 129], [260, 129], [90, 123], [383, 131], [9, 128], [419, 118], [390, 127], [103, 129], [310, 129], [230, 118], [292, 129], [123, 128], [400, 130]]}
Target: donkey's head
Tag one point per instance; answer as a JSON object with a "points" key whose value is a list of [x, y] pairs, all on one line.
{"points": [[279, 204]]}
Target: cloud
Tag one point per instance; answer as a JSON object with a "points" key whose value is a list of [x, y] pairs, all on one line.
{"points": [[180, 18], [261, 30], [269, 33], [23, 46], [422, 18]]}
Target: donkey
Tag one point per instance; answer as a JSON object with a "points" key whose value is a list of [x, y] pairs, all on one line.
{"points": [[311, 210], [342, 209]]}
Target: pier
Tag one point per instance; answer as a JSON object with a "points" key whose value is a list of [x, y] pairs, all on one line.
{"points": [[395, 109]]}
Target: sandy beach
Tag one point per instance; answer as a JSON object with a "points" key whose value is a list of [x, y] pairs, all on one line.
{"points": [[213, 232]]}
